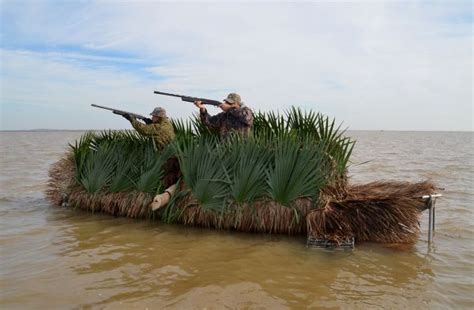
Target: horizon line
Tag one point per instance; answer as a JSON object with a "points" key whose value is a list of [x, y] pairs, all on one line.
{"points": [[92, 129]]}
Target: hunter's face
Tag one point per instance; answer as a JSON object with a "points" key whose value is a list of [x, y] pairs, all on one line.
{"points": [[155, 118], [232, 105]]}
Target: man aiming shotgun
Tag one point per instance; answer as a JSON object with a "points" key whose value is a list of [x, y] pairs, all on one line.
{"points": [[159, 127], [235, 116]]}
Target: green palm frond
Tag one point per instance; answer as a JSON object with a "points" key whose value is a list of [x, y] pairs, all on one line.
{"points": [[123, 179], [335, 144], [192, 127], [246, 161], [182, 128], [98, 168], [270, 124], [203, 171], [130, 148], [341, 153], [80, 150], [296, 172], [202, 130], [151, 170], [303, 123]]}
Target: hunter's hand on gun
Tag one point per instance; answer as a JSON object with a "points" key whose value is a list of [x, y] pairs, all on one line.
{"points": [[199, 104], [224, 106], [126, 116]]}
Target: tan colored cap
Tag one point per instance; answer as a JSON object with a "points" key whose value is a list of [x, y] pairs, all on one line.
{"points": [[158, 111], [233, 98]]}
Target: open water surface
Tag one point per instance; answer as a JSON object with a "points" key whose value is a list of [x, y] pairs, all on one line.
{"points": [[61, 258]]}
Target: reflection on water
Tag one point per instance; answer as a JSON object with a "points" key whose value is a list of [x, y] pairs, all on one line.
{"points": [[113, 261], [54, 257]]}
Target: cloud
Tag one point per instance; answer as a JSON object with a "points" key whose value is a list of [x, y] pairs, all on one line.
{"points": [[55, 90], [371, 65]]}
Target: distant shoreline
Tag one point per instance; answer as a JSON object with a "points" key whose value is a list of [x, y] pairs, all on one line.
{"points": [[348, 130], [48, 130]]}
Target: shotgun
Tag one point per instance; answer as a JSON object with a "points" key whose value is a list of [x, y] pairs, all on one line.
{"points": [[120, 112], [191, 99]]}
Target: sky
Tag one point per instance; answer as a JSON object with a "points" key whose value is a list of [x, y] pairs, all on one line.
{"points": [[371, 65]]}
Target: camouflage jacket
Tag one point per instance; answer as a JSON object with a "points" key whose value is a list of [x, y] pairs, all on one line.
{"points": [[161, 132], [235, 119]]}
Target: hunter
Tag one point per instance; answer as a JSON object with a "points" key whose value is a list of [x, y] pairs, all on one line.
{"points": [[235, 116], [159, 127]]}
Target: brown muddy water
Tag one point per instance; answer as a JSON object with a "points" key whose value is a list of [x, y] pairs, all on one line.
{"points": [[61, 258]]}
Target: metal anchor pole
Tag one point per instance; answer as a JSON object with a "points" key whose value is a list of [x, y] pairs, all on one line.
{"points": [[430, 220]]}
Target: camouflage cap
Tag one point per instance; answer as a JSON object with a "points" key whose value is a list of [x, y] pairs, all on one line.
{"points": [[158, 111], [233, 98]]}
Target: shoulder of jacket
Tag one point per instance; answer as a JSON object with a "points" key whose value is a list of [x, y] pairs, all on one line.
{"points": [[246, 109], [168, 123]]}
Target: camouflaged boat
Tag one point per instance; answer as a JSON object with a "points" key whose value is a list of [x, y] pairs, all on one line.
{"points": [[289, 176]]}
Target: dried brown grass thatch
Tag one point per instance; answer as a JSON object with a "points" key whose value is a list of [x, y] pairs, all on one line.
{"points": [[130, 204], [379, 211], [61, 179], [261, 217]]}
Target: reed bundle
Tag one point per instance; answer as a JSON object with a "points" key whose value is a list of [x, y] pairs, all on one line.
{"points": [[62, 177], [128, 204], [261, 217], [379, 211]]}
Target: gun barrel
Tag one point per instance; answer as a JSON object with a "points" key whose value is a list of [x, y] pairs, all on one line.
{"points": [[190, 99], [167, 94], [120, 112], [102, 107]]}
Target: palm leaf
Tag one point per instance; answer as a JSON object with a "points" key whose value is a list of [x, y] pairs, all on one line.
{"points": [[297, 172], [151, 170], [203, 171], [246, 162], [98, 168]]}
